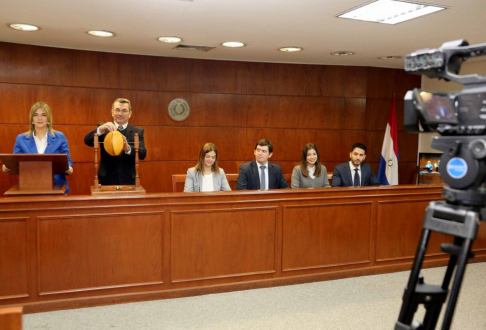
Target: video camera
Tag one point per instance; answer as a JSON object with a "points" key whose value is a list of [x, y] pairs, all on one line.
{"points": [[459, 117]]}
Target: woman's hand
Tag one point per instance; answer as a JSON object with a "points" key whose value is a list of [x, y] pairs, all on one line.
{"points": [[5, 168], [70, 171]]}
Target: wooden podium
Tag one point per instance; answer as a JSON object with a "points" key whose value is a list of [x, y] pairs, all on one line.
{"points": [[36, 173]]}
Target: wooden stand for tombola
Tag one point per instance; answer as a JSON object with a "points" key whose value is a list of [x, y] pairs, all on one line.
{"points": [[121, 190]]}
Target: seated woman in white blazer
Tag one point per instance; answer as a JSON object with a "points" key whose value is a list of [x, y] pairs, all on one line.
{"points": [[206, 175], [310, 173]]}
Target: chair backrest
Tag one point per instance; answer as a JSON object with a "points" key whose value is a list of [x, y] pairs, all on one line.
{"points": [[179, 179]]}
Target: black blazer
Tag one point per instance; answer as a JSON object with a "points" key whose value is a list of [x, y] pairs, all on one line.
{"points": [[121, 169], [341, 177], [249, 179]]}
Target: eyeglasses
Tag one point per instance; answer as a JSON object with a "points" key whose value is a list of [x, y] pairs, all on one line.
{"points": [[124, 111]]}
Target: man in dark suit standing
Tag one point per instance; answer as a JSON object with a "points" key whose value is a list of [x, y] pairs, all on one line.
{"points": [[260, 174], [354, 172], [118, 170]]}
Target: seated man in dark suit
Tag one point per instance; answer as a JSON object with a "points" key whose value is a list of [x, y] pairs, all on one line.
{"points": [[354, 172], [260, 174], [119, 170]]}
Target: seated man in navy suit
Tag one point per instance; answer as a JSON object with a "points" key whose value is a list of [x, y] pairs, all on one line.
{"points": [[354, 172], [260, 174]]}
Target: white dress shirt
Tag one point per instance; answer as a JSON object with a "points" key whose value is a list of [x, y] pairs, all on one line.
{"points": [[311, 171], [207, 182], [41, 144]]}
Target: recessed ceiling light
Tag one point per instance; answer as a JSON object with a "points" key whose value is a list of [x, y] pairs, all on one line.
{"points": [[233, 44], [389, 57], [170, 40], [24, 27], [101, 33], [290, 49], [342, 53], [390, 11]]}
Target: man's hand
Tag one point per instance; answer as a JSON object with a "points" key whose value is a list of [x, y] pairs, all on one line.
{"points": [[126, 147], [107, 127], [5, 168]]}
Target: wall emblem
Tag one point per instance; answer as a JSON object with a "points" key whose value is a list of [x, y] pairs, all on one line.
{"points": [[179, 109]]}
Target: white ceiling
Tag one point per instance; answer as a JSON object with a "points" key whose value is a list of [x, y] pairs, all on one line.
{"points": [[264, 25]]}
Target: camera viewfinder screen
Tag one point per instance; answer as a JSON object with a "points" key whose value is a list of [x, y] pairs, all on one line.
{"points": [[438, 108]]}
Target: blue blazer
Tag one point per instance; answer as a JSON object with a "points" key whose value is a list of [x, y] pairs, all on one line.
{"points": [[249, 179], [341, 177], [56, 144]]}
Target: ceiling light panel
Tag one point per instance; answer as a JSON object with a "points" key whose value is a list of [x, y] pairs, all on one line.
{"points": [[390, 11]]}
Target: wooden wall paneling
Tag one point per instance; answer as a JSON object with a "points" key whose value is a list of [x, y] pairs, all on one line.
{"points": [[109, 70], [90, 252], [214, 76], [35, 65], [15, 103], [277, 79], [399, 228], [222, 243], [316, 236], [377, 111], [404, 82], [82, 178], [380, 83], [156, 176], [407, 146], [85, 251], [342, 81], [207, 110], [163, 74], [13, 258], [355, 113], [480, 243], [179, 143], [407, 172]]}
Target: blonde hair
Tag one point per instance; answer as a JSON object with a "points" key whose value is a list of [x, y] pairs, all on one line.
{"points": [[207, 147], [48, 112]]}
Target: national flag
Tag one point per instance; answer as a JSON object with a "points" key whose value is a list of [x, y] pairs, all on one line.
{"points": [[388, 171]]}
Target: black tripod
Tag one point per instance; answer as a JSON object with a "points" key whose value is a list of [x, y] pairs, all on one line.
{"points": [[462, 223]]}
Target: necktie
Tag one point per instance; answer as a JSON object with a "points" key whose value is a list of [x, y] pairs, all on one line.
{"points": [[120, 128], [262, 177], [356, 178]]}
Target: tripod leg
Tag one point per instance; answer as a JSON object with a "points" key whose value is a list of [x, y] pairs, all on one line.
{"points": [[409, 307], [433, 310], [456, 284]]}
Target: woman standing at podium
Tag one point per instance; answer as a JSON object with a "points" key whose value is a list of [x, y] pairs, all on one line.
{"points": [[42, 139], [206, 175], [310, 173]]}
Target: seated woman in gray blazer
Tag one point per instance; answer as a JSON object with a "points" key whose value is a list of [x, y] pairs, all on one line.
{"points": [[310, 173], [206, 175]]}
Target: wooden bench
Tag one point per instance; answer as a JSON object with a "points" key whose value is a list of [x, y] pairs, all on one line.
{"points": [[11, 318], [178, 180]]}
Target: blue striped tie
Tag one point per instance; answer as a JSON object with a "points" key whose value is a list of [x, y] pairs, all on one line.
{"points": [[262, 178], [356, 178]]}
